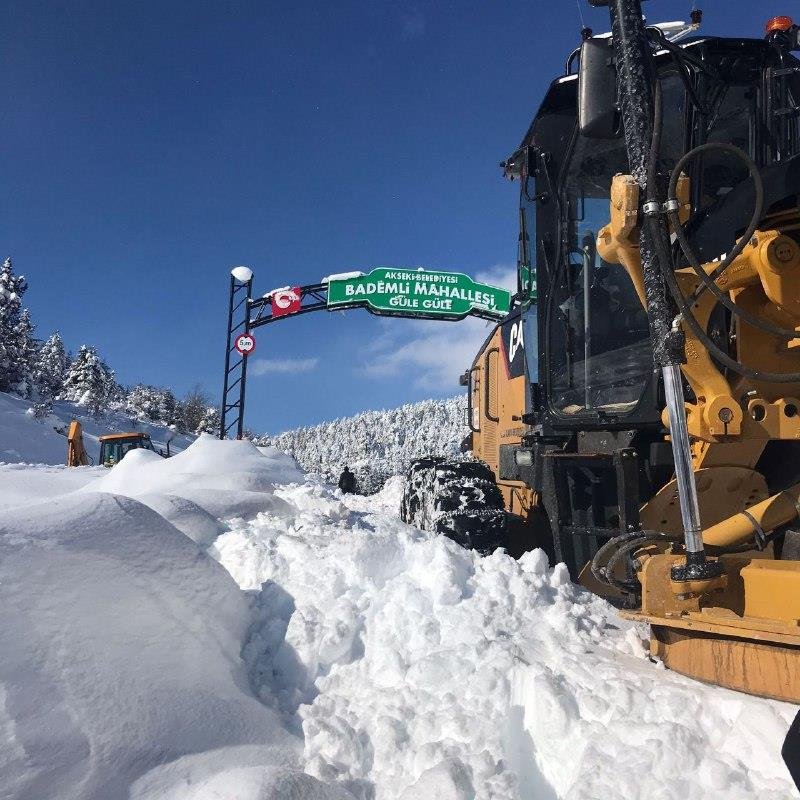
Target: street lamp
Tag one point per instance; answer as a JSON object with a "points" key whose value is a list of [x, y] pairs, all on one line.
{"points": [[242, 274]]}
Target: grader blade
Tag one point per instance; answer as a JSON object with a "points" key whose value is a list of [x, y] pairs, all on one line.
{"points": [[743, 635]]}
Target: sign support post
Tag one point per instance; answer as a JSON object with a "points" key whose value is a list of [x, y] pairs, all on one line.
{"points": [[238, 323], [240, 423]]}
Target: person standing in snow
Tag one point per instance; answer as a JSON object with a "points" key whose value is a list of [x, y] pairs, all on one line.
{"points": [[347, 481]]}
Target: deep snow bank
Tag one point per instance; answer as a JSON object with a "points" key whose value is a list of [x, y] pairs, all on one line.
{"points": [[121, 673], [389, 664], [210, 481], [23, 484], [420, 670]]}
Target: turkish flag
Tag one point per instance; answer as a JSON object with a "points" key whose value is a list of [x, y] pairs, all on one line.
{"points": [[285, 301]]}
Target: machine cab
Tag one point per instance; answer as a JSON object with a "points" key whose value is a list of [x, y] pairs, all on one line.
{"points": [[114, 446], [593, 350]]}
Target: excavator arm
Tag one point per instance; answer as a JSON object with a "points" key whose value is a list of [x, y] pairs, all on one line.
{"points": [[76, 452]]}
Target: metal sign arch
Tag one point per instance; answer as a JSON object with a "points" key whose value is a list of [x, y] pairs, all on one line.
{"points": [[384, 291]]}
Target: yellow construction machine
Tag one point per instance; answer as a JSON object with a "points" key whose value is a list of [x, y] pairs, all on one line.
{"points": [[638, 412], [113, 446]]}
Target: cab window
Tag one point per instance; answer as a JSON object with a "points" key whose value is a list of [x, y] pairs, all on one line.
{"points": [[598, 334]]}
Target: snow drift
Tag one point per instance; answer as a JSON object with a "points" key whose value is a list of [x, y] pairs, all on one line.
{"points": [[420, 670], [222, 478], [24, 484], [358, 658], [120, 644]]}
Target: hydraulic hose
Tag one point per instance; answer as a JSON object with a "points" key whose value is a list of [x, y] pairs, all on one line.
{"points": [[619, 547], [708, 343], [655, 142], [598, 566], [708, 279], [652, 537], [635, 82], [758, 185]]}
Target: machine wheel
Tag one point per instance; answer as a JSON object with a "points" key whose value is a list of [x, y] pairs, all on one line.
{"points": [[461, 500], [416, 495]]}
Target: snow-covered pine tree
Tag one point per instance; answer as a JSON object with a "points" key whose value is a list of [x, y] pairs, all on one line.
{"points": [[153, 404], [168, 407], [50, 364], [210, 422], [89, 381], [117, 397], [14, 346], [377, 444], [50, 368], [193, 407], [142, 403], [26, 348]]}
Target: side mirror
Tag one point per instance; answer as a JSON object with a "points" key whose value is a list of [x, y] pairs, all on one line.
{"points": [[598, 117], [521, 164]]}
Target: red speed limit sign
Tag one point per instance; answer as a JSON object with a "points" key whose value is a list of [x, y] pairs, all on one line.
{"points": [[245, 344]]}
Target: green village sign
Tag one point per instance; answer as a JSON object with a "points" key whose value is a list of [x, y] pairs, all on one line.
{"points": [[386, 291], [418, 293]]}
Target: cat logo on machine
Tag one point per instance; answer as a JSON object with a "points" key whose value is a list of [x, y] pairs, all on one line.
{"points": [[514, 346]]}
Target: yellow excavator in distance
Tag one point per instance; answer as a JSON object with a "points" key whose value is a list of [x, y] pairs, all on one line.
{"points": [[113, 446]]}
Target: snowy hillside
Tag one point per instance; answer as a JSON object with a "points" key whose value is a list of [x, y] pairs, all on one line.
{"points": [[377, 444], [295, 644], [25, 439]]}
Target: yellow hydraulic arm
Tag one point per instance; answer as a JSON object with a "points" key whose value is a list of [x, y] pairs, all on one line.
{"points": [[76, 452]]}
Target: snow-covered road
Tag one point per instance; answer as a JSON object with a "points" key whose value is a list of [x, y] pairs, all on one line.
{"points": [[388, 663]]}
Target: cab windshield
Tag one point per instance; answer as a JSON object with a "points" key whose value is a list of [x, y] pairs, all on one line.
{"points": [[112, 452], [598, 336]]}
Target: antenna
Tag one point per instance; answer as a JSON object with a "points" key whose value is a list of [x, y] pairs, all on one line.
{"points": [[580, 14]]}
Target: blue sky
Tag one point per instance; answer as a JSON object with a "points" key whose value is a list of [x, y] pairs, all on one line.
{"points": [[148, 147]]}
